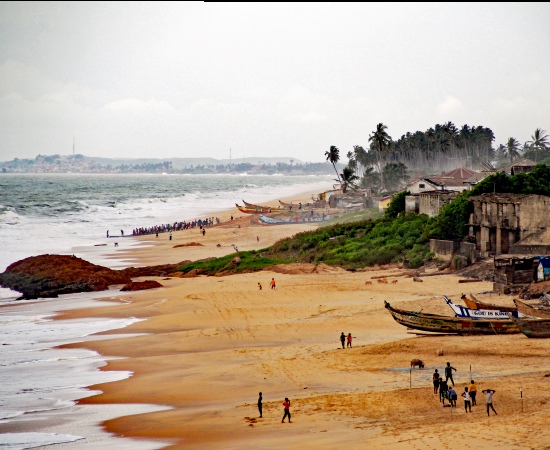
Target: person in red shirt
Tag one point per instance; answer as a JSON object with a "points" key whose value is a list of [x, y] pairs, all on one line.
{"points": [[286, 404], [272, 283], [349, 339]]}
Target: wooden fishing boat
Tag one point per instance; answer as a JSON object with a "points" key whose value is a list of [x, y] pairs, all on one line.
{"points": [[253, 206], [474, 303], [253, 210], [450, 325], [489, 314], [531, 310], [533, 328]]}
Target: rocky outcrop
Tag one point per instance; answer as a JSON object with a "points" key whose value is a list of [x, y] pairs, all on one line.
{"points": [[53, 275], [153, 271], [141, 285]]}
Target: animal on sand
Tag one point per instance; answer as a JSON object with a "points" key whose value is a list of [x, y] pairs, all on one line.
{"points": [[417, 362], [394, 282], [368, 283]]}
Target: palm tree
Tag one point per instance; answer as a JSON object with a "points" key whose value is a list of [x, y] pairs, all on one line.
{"points": [[382, 140], [539, 141], [348, 179], [512, 149], [333, 155]]}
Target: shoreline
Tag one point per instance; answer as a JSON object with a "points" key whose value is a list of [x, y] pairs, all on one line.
{"points": [[210, 344]]}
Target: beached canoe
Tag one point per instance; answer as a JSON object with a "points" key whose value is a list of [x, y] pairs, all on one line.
{"points": [[253, 206], [253, 210], [533, 328], [531, 310], [489, 314], [474, 303], [453, 325]]}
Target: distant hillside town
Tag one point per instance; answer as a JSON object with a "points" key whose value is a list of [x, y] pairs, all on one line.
{"points": [[84, 164]]}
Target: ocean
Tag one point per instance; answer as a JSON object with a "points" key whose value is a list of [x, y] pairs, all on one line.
{"points": [[59, 214]]}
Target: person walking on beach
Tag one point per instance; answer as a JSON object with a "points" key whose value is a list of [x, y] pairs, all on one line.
{"points": [[472, 389], [436, 377], [489, 398], [343, 340], [349, 340], [260, 404], [203, 231], [467, 402], [449, 373], [286, 405], [107, 233], [260, 286], [272, 283], [170, 235]]}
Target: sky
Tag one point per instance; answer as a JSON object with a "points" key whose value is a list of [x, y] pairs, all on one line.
{"points": [[170, 79]]}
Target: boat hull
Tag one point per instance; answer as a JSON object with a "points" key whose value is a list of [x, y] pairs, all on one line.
{"points": [[533, 328], [489, 314], [455, 325], [529, 310], [473, 303]]}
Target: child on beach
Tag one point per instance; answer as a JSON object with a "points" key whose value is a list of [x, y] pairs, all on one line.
{"points": [[272, 283], [443, 390], [473, 391], [349, 339], [467, 403], [260, 286], [452, 397], [260, 404]]}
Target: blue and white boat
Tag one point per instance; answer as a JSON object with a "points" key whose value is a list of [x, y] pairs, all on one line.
{"points": [[463, 311]]}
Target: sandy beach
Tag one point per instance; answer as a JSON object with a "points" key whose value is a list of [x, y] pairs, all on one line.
{"points": [[211, 344]]}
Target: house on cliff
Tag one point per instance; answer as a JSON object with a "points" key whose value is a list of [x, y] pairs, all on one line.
{"points": [[429, 194]]}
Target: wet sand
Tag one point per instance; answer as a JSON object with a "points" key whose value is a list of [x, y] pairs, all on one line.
{"points": [[213, 343]]}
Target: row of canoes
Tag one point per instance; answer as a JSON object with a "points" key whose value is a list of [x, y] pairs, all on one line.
{"points": [[251, 208], [482, 318]]}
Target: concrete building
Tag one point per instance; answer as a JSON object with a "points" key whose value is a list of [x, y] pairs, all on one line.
{"points": [[431, 202], [500, 221]]}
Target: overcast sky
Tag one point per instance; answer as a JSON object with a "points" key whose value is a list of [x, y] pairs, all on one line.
{"points": [[191, 79]]}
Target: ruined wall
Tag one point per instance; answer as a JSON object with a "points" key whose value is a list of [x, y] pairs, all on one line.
{"points": [[534, 213], [412, 203], [444, 249]]}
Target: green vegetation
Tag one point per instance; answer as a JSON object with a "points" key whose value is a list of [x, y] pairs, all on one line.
{"points": [[359, 244], [242, 262], [356, 216]]}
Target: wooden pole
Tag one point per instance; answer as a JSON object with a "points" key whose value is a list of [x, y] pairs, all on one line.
{"points": [[521, 396], [410, 378]]}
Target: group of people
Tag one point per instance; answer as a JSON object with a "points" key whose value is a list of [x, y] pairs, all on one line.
{"points": [[272, 283], [344, 339], [176, 226], [286, 406], [448, 393]]}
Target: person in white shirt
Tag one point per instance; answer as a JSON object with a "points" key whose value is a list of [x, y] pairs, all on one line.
{"points": [[489, 397], [467, 402]]}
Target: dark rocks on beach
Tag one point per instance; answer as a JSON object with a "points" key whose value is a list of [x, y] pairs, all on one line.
{"points": [[53, 275], [141, 285]]}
